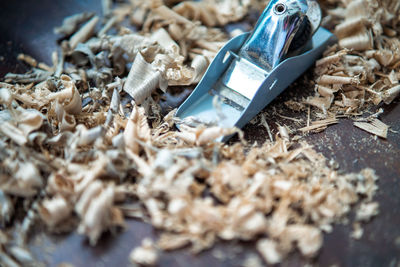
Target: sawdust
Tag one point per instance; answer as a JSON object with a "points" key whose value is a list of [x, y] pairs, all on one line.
{"points": [[73, 144]]}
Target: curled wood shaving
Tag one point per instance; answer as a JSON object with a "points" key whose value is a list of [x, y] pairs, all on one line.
{"points": [[269, 251], [142, 80], [362, 69], [54, 211], [99, 214], [367, 211], [145, 255], [20, 124], [213, 14], [390, 94], [71, 23]]}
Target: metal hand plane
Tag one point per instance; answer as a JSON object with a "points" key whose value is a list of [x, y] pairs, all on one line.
{"points": [[254, 68]]}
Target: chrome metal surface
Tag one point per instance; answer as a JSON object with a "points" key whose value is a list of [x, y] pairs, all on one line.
{"points": [[314, 15], [269, 43], [244, 77], [266, 47]]}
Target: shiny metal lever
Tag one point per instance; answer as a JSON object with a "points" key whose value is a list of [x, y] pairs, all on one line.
{"points": [[277, 28]]}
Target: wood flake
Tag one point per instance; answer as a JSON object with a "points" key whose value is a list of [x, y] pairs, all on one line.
{"points": [[375, 127]]}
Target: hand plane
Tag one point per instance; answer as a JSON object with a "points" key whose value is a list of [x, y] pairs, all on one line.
{"points": [[254, 68]]}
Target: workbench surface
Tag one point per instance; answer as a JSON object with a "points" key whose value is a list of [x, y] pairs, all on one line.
{"points": [[27, 26]]}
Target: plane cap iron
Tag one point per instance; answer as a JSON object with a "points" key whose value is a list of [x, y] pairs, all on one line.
{"points": [[254, 68]]}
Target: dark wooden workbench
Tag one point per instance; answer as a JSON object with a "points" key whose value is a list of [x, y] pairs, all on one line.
{"points": [[26, 26]]}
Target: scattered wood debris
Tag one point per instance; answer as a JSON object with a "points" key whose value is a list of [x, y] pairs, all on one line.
{"points": [[358, 231], [367, 211], [363, 68], [252, 260], [375, 127], [146, 254], [320, 125], [73, 144]]}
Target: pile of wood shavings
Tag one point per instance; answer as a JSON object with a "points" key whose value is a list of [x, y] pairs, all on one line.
{"points": [[363, 68], [80, 154]]}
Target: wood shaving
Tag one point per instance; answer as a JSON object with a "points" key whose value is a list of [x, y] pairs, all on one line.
{"points": [[32, 62], [252, 260], [361, 70], [74, 145], [269, 251], [84, 33], [146, 254], [143, 80], [357, 231], [6, 209], [375, 127], [317, 126], [367, 211], [214, 13], [71, 23], [55, 210]]}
